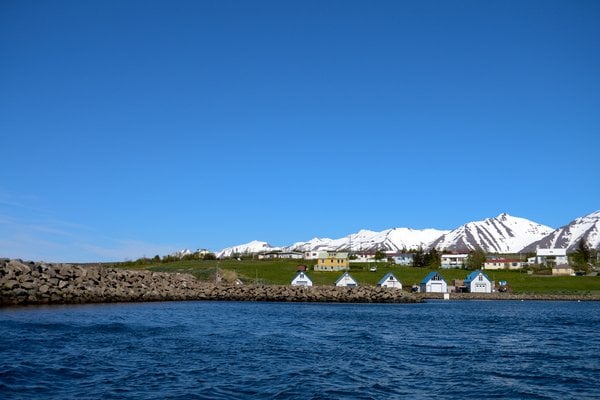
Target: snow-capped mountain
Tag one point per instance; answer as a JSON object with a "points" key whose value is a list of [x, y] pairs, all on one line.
{"points": [[396, 239], [568, 237], [501, 234], [182, 253], [252, 247]]}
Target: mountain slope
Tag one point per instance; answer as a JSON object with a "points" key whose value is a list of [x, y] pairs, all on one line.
{"points": [[501, 234], [252, 247], [396, 239], [568, 237]]}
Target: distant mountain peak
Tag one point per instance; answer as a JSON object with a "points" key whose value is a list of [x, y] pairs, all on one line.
{"points": [[501, 234], [568, 237], [253, 247]]}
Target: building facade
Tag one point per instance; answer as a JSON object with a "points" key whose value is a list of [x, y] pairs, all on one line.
{"points": [[390, 281], [551, 257], [478, 282], [434, 283], [503, 263], [453, 260], [301, 279], [332, 261], [346, 280]]}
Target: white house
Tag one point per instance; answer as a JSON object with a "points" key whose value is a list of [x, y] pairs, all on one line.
{"points": [[403, 259], [551, 257], [301, 279], [434, 283], [454, 260], [281, 254], [364, 258], [346, 280], [311, 255], [390, 281], [502, 263], [478, 282]]}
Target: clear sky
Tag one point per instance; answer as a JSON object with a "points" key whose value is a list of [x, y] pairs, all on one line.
{"points": [[131, 128]]}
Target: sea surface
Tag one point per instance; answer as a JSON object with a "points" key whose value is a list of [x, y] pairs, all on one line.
{"points": [[237, 350]]}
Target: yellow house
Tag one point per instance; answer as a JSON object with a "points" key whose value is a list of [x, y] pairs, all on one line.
{"points": [[332, 261], [563, 269]]}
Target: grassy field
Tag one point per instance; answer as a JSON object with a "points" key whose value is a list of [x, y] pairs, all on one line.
{"points": [[281, 272]]}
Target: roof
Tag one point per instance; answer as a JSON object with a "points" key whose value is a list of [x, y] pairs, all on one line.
{"points": [[474, 275], [502, 260], [454, 255], [431, 275], [301, 273], [386, 277], [333, 254], [342, 277], [551, 252]]}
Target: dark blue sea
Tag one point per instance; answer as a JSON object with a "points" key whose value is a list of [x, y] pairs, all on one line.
{"points": [[231, 350]]}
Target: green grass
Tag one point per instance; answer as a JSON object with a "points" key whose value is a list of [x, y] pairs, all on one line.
{"points": [[281, 272]]}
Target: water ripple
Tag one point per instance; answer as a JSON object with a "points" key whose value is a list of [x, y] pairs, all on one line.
{"points": [[196, 350]]}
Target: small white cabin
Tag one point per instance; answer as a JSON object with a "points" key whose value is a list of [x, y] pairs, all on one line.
{"points": [[346, 280], [390, 281], [433, 283], [478, 282], [301, 279]]}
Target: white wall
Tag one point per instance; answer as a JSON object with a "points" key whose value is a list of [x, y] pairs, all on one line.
{"points": [[392, 284], [346, 281], [301, 280], [434, 287]]}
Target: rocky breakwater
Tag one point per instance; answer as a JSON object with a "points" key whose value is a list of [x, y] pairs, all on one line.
{"points": [[44, 283]]}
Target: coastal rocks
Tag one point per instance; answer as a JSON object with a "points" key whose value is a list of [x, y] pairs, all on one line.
{"points": [[44, 283]]}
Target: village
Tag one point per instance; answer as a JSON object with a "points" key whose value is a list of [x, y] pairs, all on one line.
{"points": [[476, 281]]}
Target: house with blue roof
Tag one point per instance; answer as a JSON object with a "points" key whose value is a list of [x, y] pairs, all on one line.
{"points": [[433, 283], [346, 280], [478, 282], [389, 281]]}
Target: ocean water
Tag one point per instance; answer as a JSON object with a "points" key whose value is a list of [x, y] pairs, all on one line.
{"points": [[236, 350]]}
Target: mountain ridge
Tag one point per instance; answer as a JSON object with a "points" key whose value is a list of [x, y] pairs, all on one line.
{"points": [[569, 236], [501, 234]]}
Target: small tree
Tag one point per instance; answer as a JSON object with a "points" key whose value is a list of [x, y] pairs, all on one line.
{"points": [[379, 255], [419, 258], [433, 259], [476, 259], [582, 255]]}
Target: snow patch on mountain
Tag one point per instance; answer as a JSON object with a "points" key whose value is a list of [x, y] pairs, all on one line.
{"points": [[568, 237], [501, 234], [253, 247], [395, 239]]}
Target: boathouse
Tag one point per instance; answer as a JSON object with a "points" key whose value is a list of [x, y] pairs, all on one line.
{"points": [[434, 283], [390, 281]]}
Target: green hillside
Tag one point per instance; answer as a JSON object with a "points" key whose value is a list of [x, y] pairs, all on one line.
{"points": [[281, 272]]}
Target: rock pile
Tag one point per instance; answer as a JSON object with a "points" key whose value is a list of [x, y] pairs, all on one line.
{"points": [[43, 283]]}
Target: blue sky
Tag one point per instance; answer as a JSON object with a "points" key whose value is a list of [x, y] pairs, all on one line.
{"points": [[132, 128]]}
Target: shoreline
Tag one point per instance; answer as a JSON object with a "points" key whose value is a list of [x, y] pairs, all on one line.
{"points": [[32, 283], [510, 296]]}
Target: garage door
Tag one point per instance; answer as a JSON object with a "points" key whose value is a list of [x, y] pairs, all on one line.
{"points": [[436, 287]]}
